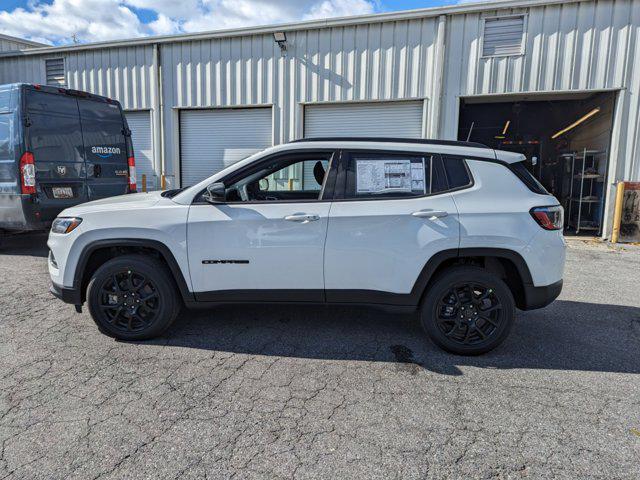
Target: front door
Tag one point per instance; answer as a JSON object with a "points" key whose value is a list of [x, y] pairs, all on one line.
{"points": [[395, 215], [266, 241]]}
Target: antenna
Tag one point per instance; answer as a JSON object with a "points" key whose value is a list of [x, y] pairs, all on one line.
{"points": [[470, 130]]}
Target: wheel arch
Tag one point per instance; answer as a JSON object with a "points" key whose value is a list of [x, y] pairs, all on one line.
{"points": [[508, 264], [97, 252]]}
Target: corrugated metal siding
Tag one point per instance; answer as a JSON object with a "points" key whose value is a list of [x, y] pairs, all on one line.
{"points": [[379, 61], [574, 46], [9, 45], [125, 74], [569, 46]]}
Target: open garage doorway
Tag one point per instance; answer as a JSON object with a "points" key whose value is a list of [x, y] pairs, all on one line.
{"points": [[565, 137]]}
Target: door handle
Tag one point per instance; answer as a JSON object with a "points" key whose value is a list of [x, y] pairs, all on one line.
{"points": [[302, 218], [430, 214]]}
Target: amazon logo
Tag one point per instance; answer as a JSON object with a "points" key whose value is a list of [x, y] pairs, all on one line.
{"points": [[105, 152]]}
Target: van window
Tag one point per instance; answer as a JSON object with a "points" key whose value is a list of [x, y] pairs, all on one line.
{"points": [[8, 183], [54, 134], [6, 152], [44, 102], [102, 127], [99, 110]]}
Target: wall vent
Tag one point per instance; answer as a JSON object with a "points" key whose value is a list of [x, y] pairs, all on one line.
{"points": [[55, 72], [503, 36]]}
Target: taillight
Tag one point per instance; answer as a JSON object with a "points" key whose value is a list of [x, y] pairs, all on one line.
{"points": [[549, 218], [132, 174], [28, 173]]}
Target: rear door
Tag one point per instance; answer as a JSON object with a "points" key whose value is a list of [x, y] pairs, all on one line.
{"points": [[105, 148], [390, 221], [54, 136]]}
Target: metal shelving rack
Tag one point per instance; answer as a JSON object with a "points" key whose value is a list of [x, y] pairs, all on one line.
{"points": [[582, 184]]}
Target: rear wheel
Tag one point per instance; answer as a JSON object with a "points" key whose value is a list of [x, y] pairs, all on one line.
{"points": [[132, 298], [468, 310]]}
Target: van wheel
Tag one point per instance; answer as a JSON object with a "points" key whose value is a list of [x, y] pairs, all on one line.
{"points": [[132, 297], [468, 310]]}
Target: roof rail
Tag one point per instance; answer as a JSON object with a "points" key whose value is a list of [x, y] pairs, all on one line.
{"points": [[423, 141]]}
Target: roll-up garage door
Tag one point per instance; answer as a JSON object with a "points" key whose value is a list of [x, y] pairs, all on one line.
{"points": [[211, 140], [140, 126], [379, 119]]}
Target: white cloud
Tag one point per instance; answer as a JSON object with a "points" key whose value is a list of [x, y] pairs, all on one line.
{"points": [[339, 8], [58, 22], [94, 20]]}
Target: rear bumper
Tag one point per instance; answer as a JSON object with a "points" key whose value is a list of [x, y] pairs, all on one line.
{"points": [[66, 294], [538, 297]]}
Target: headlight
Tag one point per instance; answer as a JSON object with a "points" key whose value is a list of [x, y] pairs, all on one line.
{"points": [[65, 224]]}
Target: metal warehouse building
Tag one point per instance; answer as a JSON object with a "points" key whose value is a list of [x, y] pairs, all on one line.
{"points": [[556, 80]]}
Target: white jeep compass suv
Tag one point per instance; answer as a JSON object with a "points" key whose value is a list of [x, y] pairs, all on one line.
{"points": [[461, 232]]}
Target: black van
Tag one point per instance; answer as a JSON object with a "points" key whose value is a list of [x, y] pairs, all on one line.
{"points": [[58, 148]]}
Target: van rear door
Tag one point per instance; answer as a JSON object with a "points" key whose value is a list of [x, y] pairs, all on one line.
{"points": [[54, 136], [103, 132]]}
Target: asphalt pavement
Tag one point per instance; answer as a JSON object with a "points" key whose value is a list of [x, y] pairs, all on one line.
{"points": [[320, 392]]}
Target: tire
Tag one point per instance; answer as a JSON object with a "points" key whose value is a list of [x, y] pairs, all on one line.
{"points": [[133, 297], [467, 310]]}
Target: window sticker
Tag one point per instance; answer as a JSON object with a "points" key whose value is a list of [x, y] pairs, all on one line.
{"points": [[417, 177], [382, 176]]}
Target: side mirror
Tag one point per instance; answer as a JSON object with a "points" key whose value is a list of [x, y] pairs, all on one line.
{"points": [[216, 193], [263, 184]]}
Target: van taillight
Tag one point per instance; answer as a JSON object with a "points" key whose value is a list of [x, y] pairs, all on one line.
{"points": [[28, 173], [132, 174]]}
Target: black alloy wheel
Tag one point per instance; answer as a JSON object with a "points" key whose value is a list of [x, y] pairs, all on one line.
{"points": [[129, 300], [133, 297], [469, 313], [468, 310]]}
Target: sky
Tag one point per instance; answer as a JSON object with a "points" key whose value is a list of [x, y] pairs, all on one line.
{"points": [[59, 22]]}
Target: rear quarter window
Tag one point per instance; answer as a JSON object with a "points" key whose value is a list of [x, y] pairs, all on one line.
{"points": [[520, 170], [457, 172]]}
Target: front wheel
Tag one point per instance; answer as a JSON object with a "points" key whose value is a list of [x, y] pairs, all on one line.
{"points": [[468, 310], [132, 297]]}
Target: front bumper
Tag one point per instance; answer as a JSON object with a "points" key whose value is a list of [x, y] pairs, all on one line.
{"points": [[66, 294], [538, 297]]}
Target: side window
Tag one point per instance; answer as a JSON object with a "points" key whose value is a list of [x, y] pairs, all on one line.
{"points": [[286, 178], [7, 161], [302, 176], [385, 175], [456, 172]]}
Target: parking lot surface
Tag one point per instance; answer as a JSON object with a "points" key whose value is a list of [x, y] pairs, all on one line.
{"points": [[318, 392]]}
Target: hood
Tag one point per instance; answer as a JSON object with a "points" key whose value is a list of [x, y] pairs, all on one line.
{"points": [[130, 201]]}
